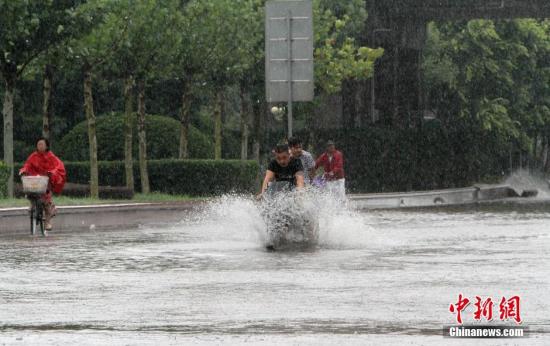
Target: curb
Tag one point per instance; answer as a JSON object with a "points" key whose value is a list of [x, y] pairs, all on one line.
{"points": [[101, 216], [433, 198]]}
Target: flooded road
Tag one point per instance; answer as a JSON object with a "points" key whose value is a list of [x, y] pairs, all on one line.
{"points": [[380, 277]]}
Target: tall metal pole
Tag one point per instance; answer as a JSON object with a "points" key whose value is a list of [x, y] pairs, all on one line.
{"points": [[289, 40]]}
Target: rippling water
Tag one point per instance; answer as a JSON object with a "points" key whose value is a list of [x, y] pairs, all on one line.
{"points": [[383, 277]]}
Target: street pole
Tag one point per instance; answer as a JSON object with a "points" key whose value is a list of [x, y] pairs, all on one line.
{"points": [[289, 40]]}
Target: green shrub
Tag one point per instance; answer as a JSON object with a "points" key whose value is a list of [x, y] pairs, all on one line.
{"points": [[162, 140], [83, 190], [105, 192], [4, 176], [431, 157], [203, 177], [178, 177], [381, 159]]}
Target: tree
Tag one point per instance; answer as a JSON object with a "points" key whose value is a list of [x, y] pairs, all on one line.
{"points": [[154, 43], [244, 123], [493, 77], [28, 29], [144, 55], [216, 49], [337, 54], [252, 81], [53, 61], [91, 53]]}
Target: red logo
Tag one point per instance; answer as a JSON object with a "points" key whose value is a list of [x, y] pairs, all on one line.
{"points": [[459, 306], [508, 308], [484, 309]]}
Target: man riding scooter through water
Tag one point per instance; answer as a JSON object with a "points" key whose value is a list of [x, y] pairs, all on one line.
{"points": [[287, 223], [283, 168]]}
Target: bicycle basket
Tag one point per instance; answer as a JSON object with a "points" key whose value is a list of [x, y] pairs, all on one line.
{"points": [[35, 184]]}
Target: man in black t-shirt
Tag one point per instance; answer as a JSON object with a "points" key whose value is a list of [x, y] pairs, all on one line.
{"points": [[284, 168]]}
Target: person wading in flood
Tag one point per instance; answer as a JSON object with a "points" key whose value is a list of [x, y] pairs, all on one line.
{"points": [[283, 168], [308, 162], [332, 161]]}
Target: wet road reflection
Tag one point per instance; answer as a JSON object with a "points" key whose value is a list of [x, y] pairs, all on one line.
{"points": [[378, 277]]}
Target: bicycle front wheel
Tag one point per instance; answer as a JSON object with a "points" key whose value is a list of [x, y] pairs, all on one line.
{"points": [[32, 214], [33, 224], [41, 223], [40, 216]]}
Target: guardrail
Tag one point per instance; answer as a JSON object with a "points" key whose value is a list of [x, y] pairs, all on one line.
{"points": [[103, 216], [432, 198]]}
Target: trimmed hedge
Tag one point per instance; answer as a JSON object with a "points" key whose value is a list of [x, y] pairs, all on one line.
{"points": [[203, 177], [105, 192], [83, 190], [4, 176], [380, 159], [178, 177], [432, 157], [162, 140]]}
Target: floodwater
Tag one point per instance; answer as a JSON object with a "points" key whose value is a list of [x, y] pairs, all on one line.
{"points": [[378, 277]]}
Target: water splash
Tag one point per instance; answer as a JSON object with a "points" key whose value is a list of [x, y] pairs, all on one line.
{"points": [[522, 180], [242, 218], [292, 219], [231, 217]]}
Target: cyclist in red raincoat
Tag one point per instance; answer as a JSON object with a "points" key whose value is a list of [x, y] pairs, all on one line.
{"points": [[44, 162]]}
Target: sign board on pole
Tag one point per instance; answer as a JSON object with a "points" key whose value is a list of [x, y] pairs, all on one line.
{"points": [[289, 51]]}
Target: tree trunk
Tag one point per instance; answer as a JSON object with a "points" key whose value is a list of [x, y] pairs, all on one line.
{"points": [[128, 135], [218, 125], [144, 174], [92, 139], [184, 121], [7, 111], [546, 155], [245, 110], [47, 106], [258, 110]]}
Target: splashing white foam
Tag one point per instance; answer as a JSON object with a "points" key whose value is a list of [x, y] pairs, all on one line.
{"points": [[522, 180], [241, 217]]}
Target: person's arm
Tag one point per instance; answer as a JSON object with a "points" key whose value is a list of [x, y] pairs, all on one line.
{"points": [[299, 180], [298, 174], [26, 167], [58, 166], [269, 176], [57, 175], [312, 172], [318, 163]]}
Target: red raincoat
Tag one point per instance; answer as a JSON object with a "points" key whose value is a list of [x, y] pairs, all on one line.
{"points": [[334, 165], [46, 164]]}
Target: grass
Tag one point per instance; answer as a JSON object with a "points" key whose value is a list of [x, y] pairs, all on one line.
{"points": [[138, 198]]}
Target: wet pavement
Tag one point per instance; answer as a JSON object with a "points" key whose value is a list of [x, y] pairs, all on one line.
{"points": [[379, 277]]}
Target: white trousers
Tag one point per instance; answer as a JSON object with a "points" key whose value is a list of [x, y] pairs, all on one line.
{"points": [[337, 188]]}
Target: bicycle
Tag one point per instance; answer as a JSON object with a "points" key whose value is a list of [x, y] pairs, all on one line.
{"points": [[36, 214], [34, 187]]}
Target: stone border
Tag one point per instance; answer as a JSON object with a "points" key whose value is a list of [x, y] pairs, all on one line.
{"points": [[433, 198], [101, 216], [132, 215]]}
